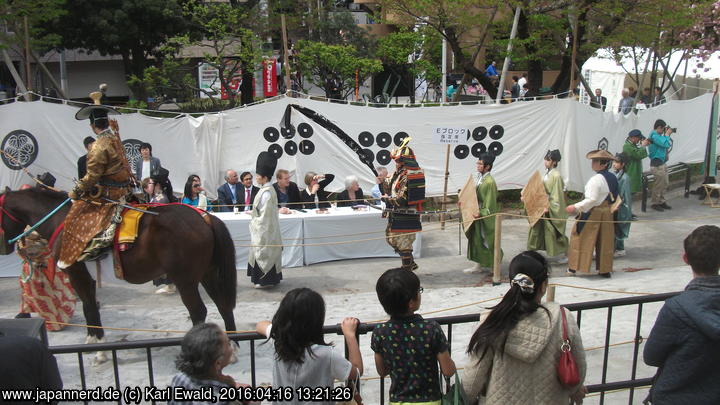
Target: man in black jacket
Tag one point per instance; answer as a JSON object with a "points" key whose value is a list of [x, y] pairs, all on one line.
{"points": [[82, 161], [684, 341], [287, 191], [598, 101]]}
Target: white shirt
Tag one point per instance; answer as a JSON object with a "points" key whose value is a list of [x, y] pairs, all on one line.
{"points": [[232, 191], [596, 191], [145, 169], [521, 82], [247, 191]]}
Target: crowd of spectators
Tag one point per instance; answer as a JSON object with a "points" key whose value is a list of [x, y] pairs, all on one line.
{"points": [[513, 353]]}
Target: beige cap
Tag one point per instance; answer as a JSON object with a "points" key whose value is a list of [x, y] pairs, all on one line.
{"points": [[600, 154]]}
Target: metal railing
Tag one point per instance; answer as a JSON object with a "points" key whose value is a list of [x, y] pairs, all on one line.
{"points": [[365, 328], [648, 176]]}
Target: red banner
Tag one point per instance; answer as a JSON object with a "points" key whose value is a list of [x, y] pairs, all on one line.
{"points": [[270, 88]]}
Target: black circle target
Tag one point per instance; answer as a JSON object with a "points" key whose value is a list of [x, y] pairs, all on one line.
{"points": [[383, 157], [271, 134], [275, 150], [288, 132], [399, 138], [366, 139], [305, 130], [291, 148], [307, 147], [497, 132], [495, 148], [478, 149], [462, 151], [383, 139], [367, 156], [479, 133]]}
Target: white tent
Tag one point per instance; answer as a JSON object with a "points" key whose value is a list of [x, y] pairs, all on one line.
{"points": [[603, 72]]}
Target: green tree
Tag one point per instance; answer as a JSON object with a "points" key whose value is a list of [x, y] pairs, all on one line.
{"points": [[228, 45], [14, 13], [133, 29], [405, 52], [334, 67]]}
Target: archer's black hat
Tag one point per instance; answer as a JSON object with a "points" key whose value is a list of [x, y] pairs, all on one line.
{"points": [[553, 155], [266, 164], [95, 112], [487, 158]]}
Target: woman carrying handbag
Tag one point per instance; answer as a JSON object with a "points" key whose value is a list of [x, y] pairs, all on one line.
{"points": [[516, 352]]}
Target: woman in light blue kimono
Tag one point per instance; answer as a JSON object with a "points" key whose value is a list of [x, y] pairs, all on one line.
{"points": [[623, 212]]}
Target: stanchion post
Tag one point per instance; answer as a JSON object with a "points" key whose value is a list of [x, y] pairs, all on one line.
{"points": [[98, 273], [460, 225], [496, 250], [551, 293], [444, 198]]}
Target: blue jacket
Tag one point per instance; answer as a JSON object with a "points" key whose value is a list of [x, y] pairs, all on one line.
{"points": [[684, 343], [658, 147]]}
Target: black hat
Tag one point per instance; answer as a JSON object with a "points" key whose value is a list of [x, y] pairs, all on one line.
{"points": [[553, 155], [96, 111], [266, 164], [487, 158]]}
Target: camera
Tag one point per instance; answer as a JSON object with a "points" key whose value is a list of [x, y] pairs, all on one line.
{"points": [[672, 130]]}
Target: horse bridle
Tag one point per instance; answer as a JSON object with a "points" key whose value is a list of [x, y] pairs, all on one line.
{"points": [[3, 245]]}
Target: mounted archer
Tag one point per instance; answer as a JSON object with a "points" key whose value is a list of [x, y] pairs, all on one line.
{"points": [[90, 224]]}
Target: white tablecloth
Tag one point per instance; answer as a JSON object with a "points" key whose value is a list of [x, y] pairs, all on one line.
{"points": [[299, 228], [291, 229], [323, 228]]}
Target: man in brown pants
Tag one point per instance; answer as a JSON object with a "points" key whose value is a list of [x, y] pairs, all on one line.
{"points": [[598, 233]]}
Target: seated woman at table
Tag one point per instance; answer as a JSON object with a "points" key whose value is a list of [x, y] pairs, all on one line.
{"points": [[194, 194], [315, 196], [352, 192]]}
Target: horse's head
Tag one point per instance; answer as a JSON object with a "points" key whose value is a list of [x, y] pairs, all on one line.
{"points": [[21, 208]]}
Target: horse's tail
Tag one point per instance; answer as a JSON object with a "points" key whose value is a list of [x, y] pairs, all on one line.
{"points": [[224, 260]]}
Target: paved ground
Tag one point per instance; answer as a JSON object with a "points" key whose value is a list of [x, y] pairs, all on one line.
{"points": [[655, 241]]}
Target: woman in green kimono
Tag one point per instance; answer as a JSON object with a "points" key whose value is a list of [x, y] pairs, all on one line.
{"points": [[549, 234], [481, 233], [623, 213]]}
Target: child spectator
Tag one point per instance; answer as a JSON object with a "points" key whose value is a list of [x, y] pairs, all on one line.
{"points": [[623, 211], [408, 347], [684, 341], [302, 358]]}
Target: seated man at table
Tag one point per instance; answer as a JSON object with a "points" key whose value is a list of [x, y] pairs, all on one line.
{"points": [[315, 196], [287, 191], [352, 195]]}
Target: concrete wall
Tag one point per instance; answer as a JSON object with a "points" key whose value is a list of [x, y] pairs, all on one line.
{"points": [[84, 77]]}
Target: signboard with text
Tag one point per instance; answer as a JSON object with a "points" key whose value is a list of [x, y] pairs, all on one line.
{"points": [[270, 88], [449, 135]]}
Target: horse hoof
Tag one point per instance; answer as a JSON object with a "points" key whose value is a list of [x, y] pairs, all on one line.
{"points": [[100, 358]]}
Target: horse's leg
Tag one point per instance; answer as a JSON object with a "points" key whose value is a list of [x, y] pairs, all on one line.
{"points": [[214, 289], [193, 302], [84, 286]]}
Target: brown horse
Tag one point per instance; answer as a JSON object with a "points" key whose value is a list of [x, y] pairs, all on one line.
{"points": [[176, 242]]}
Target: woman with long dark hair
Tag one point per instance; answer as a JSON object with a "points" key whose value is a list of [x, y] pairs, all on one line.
{"points": [[194, 194], [302, 358], [515, 350]]}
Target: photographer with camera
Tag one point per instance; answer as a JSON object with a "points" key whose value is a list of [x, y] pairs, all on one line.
{"points": [[660, 142]]}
